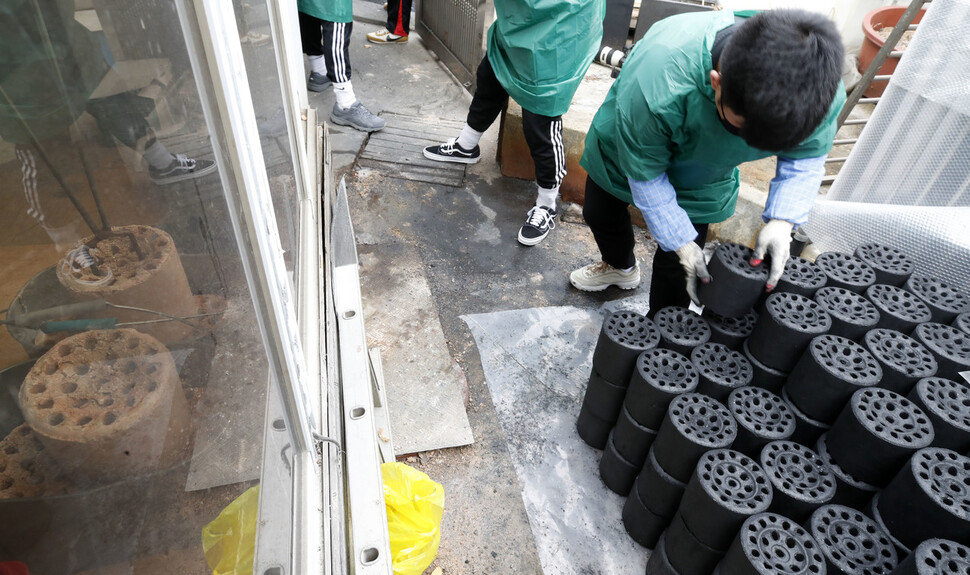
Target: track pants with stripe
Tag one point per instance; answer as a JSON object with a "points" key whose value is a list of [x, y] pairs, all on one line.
{"points": [[543, 134], [399, 16], [331, 40]]}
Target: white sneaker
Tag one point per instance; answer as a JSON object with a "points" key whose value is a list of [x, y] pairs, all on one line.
{"points": [[599, 276]]}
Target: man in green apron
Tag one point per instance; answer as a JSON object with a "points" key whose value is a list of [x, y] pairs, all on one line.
{"points": [[698, 95], [538, 52]]}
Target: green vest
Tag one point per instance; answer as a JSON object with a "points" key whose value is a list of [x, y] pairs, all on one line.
{"points": [[659, 117], [540, 49], [329, 10], [50, 66]]}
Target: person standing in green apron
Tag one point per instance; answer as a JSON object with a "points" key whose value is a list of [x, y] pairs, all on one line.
{"points": [[538, 52], [697, 96], [325, 27]]}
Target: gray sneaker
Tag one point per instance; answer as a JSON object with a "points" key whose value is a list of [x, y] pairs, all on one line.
{"points": [[317, 82], [357, 117]]}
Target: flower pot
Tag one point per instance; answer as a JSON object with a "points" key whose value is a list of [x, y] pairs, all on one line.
{"points": [[874, 21]]}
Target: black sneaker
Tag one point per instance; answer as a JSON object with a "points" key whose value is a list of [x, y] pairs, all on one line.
{"points": [[181, 168], [537, 225], [450, 151]]}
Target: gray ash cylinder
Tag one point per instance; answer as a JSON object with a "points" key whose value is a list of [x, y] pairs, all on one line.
{"points": [[720, 370], [785, 329], [726, 488], [829, 372], [904, 360], [876, 433], [898, 309], [735, 284], [801, 483], [936, 557], [947, 404], [845, 271], [852, 315], [624, 335], [851, 542], [694, 424], [929, 497], [891, 265], [802, 277], [762, 417], [950, 346], [730, 331], [769, 544], [962, 322], [849, 491], [944, 300], [660, 376], [681, 330]]}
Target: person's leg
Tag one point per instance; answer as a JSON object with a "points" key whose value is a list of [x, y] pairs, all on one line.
{"points": [[311, 36], [609, 219], [122, 116], [488, 102], [543, 134], [348, 110], [668, 280]]}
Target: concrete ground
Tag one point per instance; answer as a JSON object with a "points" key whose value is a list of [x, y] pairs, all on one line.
{"points": [[462, 244], [463, 240]]}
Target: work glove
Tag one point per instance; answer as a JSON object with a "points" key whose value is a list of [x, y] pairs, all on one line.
{"points": [[775, 240], [692, 258]]}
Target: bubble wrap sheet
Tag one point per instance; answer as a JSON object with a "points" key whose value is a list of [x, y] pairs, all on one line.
{"points": [[906, 182]]}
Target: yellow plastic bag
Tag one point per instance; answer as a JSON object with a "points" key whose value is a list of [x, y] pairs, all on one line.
{"points": [[229, 541], [414, 504]]}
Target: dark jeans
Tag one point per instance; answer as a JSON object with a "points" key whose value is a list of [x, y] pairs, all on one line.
{"points": [[330, 40], [399, 16], [543, 134], [608, 217]]}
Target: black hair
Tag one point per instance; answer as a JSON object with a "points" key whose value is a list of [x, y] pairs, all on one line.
{"points": [[779, 71]]}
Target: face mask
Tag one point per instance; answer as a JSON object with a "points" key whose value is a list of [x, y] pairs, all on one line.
{"points": [[731, 128]]}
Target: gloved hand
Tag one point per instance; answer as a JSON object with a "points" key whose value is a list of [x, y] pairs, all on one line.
{"points": [[775, 239], [692, 258]]}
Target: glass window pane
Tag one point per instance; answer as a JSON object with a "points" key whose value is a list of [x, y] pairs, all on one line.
{"points": [[134, 376], [252, 21]]}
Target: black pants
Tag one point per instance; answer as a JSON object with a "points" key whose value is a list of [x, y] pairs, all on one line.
{"points": [[330, 40], [543, 134], [399, 16], [608, 217]]}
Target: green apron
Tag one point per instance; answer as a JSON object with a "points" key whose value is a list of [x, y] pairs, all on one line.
{"points": [[329, 10], [49, 66], [659, 117], [540, 49]]}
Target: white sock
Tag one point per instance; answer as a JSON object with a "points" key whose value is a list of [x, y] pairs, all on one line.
{"points": [[344, 92], [158, 156], [628, 270], [469, 138], [318, 64], [547, 196]]}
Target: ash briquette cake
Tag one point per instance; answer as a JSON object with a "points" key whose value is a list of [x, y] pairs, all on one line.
{"points": [[155, 281], [108, 405]]}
